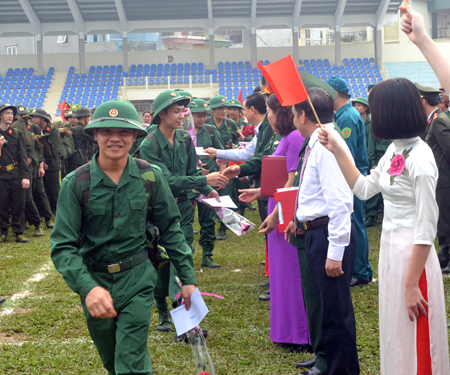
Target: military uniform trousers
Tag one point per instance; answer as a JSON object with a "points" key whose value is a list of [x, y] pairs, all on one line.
{"points": [[443, 226], [52, 185], [207, 221], [40, 198], [335, 302], [122, 341], [362, 270], [12, 196], [166, 276], [31, 211], [372, 205]]}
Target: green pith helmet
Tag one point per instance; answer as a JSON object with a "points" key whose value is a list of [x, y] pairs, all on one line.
{"points": [[217, 102], [82, 112], [362, 100], [22, 110], [8, 106], [166, 99], [74, 107], [69, 115], [234, 103], [39, 112], [184, 93], [310, 80], [199, 107], [429, 93], [116, 114]]}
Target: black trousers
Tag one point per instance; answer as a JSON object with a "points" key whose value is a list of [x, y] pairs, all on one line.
{"points": [[51, 183], [262, 208], [31, 211], [335, 302], [12, 197], [41, 199]]}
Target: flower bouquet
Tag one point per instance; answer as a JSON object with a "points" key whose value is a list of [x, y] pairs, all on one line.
{"points": [[204, 364], [248, 130], [233, 221]]}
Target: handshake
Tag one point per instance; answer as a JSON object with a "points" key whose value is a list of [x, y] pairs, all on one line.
{"points": [[230, 172]]}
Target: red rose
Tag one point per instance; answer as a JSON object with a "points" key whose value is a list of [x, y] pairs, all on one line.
{"points": [[204, 373]]}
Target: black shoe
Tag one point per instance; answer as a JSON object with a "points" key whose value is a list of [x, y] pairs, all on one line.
{"points": [[358, 282], [2, 300], [264, 285], [372, 221], [251, 207], [263, 263], [264, 297], [267, 291], [307, 364], [195, 232], [313, 371]]}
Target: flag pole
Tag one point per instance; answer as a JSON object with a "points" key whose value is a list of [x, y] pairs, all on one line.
{"points": [[315, 114]]}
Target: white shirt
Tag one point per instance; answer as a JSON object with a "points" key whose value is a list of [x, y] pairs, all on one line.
{"points": [[325, 192], [410, 202], [241, 154]]}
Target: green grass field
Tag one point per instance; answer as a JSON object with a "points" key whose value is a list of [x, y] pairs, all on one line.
{"points": [[42, 327]]}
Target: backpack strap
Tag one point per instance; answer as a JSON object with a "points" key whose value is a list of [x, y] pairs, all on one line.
{"points": [[83, 184]]}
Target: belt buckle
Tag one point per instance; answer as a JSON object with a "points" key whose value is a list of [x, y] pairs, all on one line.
{"points": [[305, 226], [9, 167], [114, 268]]}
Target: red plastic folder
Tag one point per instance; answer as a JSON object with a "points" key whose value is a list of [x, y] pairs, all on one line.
{"points": [[286, 207], [273, 174]]}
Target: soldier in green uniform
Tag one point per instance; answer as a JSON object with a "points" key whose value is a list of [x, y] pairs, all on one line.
{"points": [[438, 138], [230, 136], [13, 175], [85, 145], [362, 106], [31, 211], [66, 145], [172, 149], [204, 135], [99, 245], [71, 119], [52, 163]]}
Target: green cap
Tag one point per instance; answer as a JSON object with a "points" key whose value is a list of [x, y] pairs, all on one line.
{"points": [[198, 106], [217, 102], [82, 112], [74, 107], [182, 92], [8, 106], [234, 103], [116, 114], [310, 80], [427, 92], [164, 100], [39, 112], [361, 100]]}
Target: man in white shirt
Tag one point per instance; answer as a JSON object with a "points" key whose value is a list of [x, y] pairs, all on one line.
{"points": [[254, 111], [323, 213]]}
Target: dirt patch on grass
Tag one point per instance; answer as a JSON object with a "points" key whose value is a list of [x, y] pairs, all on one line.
{"points": [[13, 338]]}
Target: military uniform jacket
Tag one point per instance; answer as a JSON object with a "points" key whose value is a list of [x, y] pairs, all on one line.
{"points": [[178, 163], [253, 166], [376, 149], [84, 145], [13, 153], [208, 136], [53, 163], [351, 124], [438, 138], [227, 132], [112, 226]]}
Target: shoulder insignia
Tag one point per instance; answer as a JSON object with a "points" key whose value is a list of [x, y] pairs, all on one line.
{"points": [[10, 131], [346, 132]]}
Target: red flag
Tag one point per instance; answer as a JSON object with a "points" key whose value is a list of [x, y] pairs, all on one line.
{"points": [[62, 107], [283, 78], [240, 97]]}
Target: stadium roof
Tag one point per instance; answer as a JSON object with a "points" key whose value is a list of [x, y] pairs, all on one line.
{"points": [[58, 17]]}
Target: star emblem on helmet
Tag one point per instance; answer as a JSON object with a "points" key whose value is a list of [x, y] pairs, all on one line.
{"points": [[232, 102], [21, 109], [113, 112], [173, 94], [223, 99], [205, 105]]}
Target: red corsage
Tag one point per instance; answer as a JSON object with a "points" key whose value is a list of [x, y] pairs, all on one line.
{"points": [[10, 131], [48, 129]]}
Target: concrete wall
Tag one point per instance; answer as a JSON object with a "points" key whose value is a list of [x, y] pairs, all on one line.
{"points": [[62, 61]]}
